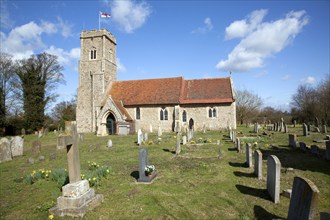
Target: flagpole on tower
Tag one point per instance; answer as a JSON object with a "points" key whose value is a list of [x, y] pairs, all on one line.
{"points": [[99, 19]]}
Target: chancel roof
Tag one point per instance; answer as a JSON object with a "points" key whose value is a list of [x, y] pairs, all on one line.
{"points": [[172, 91]]}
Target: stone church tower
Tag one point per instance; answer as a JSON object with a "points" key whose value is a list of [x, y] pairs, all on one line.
{"points": [[97, 68]]}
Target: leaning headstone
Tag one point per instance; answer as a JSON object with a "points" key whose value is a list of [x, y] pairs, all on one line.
{"points": [[273, 177], [327, 150], [304, 200], [143, 163], [5, 151], [305, 130], [77, 196], [248, 154], [258, 164], [109, 144], [292, 140], [184, 140], [17, 146]]}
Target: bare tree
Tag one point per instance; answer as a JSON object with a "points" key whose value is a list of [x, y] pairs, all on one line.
{"points": [[7, 75], [247, 104], [323, 93]]}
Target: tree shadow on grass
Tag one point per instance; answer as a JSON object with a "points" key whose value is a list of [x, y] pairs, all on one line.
{"points": [[261, 213], [135, 174], [234, 164], [241, 174], [232, 149], [168, 150], [261, 193]]}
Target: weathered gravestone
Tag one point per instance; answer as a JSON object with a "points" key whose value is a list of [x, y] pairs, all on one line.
{"points": [[282, 125], [159, 131], [314, 149], [234, 136], [184, 140], [77, 196], [178, 138], [146, 137], [5, 151], [304, 200], [81, 137], [273, 177], [303, 146], [324, 129], [286, 128], [238, 144], [109, 144], [258, 164], [143, 163], [60, 143], [256, 128], [36, 147], [17, 146], [327, 150], [292, 140], [230, 134], [150, 129], [23, 131], [140, 137], [248, 154], [305, 130]]}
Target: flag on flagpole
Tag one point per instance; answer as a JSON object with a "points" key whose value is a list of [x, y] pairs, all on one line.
{"points": [[104, 15]]}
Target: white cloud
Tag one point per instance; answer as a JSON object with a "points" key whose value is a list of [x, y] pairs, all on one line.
{"points": [[208, 26], [309, 80], [24, 40], [260, 39], [120, 66], [129, 15], [241, 28], [261, 74], [64, 57], [5, 20], [64, 27]]}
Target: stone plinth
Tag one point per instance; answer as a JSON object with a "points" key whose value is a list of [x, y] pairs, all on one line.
{"points": [[76, 199]]}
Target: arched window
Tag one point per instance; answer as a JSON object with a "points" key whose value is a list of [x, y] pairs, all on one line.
{"points": [[184, 116], [163, 114], [137, 113], [212, 112], [93, 53]]}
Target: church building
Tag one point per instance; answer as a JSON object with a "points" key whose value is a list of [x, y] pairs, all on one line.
{"points": [[107, 106]]}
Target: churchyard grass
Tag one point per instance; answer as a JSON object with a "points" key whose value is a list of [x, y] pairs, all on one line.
{"points": [[194, 185]]}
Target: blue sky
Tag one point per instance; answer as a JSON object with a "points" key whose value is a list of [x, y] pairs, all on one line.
{"points": [[271, 47]]}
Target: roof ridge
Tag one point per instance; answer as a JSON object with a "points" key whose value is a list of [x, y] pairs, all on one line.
{"points": [[134, 80]]}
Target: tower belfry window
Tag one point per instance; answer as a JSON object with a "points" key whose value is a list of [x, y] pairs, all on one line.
{"points": [[93, 54]]}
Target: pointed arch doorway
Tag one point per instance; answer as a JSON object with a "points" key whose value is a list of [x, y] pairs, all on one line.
{"points": [[111, 124]]}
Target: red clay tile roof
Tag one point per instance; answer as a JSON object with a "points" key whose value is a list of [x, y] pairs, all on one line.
{"points": [[172, 91]]}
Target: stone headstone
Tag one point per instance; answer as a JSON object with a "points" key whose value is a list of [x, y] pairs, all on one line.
{"points": [[308, 126], [140, 137], [204, 128], [109, 144], [282, 125], [146, 137], [159, 131], [17, 146], [23, 131], [302, 146], [184, 140], [292, 140], [286, 128], [41, 158], [294, 123], [231, 134], [327, 150], [238, 144], [314, 149], [258, 164], [304, 200], [305, 130], [81, 137], [178, 138], [248, 154], [60, 143], [218, 142], [273, 177], [5, 151], [143, 162], [39, 134], [234, 136], [256, 128], [150, 129], [324, 129], [36, 147]]}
